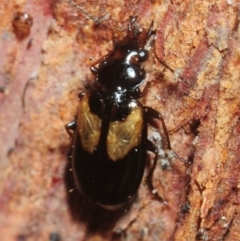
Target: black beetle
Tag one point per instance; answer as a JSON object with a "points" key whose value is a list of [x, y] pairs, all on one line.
{"points": [[110, 140]]}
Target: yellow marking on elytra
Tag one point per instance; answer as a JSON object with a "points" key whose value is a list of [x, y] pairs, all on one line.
{"points": [[124, 135], [89, 127]]}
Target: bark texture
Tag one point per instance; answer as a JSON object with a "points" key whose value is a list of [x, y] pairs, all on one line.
{"points": [[194, 81]]}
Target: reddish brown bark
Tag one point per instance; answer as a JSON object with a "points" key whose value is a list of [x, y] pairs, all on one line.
{"points": [[197, 93]]}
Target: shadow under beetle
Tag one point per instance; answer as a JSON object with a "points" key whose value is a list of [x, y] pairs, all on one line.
{"points": [[110, 135]]}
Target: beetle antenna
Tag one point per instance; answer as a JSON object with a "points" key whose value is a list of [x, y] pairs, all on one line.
{"points": [[151, 31], [96, 20], [150, 40], [132, 21], [169, 68]]}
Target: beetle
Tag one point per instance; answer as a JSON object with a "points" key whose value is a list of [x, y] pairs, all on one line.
{"points": [[110, 139]]}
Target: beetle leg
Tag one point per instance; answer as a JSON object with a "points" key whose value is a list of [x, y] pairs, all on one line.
{"points": [[152, 148], [71, 127], [151, 113], [80, 95], [93, 67]]}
